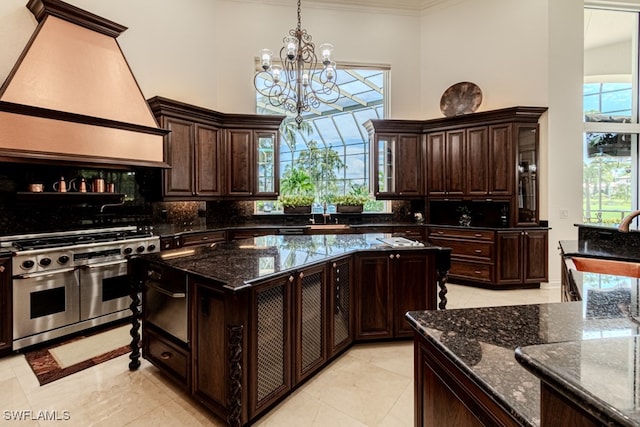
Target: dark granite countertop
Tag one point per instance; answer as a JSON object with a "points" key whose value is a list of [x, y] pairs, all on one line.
{"points": [[593, 249], [482, 343], [602, 375], [240, 263]]}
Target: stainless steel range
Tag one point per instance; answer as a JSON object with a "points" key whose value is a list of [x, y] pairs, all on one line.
{"points": [[70, 281]]}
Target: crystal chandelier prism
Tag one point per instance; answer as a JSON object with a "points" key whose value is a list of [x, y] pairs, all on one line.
{"points": [[302, 82]]}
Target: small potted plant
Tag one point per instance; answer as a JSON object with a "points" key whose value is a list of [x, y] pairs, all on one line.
{"points": [[350, 203], [297, 203], [465, 215]]}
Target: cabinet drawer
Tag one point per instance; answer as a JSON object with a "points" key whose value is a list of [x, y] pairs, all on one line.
{"points": [[166, 355], [200, 238], [467, 249], [471, 270], [461, 233], [409, 232]]}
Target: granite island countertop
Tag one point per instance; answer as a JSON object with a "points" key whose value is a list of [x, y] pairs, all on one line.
{"points": [[239, 263], [600, 375], [481, 342]]}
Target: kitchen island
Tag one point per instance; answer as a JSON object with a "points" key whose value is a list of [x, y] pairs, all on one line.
{"points": [[466, 373], [240, 325]]}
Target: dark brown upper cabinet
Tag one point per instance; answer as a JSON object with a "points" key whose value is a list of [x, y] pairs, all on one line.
{"points": [[397, 158], [214, 155]]}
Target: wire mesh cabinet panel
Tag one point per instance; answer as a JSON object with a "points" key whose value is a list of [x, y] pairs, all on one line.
{"points": [[270, 370], [310, 321], [340, 305]]}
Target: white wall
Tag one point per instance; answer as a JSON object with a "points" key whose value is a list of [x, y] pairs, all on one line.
{"points": [[524, 52]]}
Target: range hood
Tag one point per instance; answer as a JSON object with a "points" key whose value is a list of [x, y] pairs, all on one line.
{"points": [[72, 97]]}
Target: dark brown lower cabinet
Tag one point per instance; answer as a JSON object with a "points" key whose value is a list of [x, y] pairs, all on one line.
{"points": [[270, 340], [6, 304], [445, 396], [522, 257], [388, 285]]}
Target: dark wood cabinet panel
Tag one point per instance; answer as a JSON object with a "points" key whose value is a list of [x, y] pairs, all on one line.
{"points": [[270, 370], [409, 166], [446, 163], [209, 357], [6, 307], [208, 161], [341, 302], [501, 161], [374, 315], [240, 162], [178, 181], [386, 287], [310, 321], [411, 290], [522, 257], [478, 166]]}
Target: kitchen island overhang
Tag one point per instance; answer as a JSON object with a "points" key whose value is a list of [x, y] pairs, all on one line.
{"points": [[265, 314]]}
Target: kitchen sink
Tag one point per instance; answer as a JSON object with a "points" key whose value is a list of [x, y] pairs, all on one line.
{"points": [[328, 226], [606, 266]]}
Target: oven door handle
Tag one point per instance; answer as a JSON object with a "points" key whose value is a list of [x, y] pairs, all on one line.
{"points": [[157, 287], [44, 273], [102, 264]]}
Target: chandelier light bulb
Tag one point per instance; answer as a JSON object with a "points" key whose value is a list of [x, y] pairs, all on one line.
{"points": [[265, 56], [331, 70], [291, 46], [275, 73], [305, 79], [326, 49]]}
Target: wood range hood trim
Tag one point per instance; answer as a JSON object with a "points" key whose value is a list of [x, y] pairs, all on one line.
{"points": [[71, 96]]}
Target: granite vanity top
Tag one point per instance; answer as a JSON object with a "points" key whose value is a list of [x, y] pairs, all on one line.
{"points": [[482, 343], [601, 375], [240, 263]]}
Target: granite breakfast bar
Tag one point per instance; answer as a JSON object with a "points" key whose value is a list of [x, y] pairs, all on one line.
{"points": [[466, 373], [240, 325]]}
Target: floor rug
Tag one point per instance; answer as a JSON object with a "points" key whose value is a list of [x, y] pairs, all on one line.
{"points": [[78, 353]]}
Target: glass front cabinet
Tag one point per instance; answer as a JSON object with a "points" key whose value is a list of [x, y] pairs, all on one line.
{"points": [[526, 172]]}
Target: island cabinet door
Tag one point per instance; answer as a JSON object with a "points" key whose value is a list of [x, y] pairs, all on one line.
{"points": [[270, 344], [209, 357], [340, 314], [374, 314], [413, 288], [309, 321]]}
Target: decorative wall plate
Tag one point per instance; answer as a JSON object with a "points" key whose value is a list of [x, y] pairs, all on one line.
{"points": [[460, 98]]}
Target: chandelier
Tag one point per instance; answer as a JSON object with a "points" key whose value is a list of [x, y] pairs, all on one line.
{"points": [[298, 85]]}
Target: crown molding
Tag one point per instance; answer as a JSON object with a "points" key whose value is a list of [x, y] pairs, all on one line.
{"points": [[399, 7]]}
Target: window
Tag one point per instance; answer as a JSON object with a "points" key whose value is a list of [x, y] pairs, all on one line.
{"points": [[330, 150], [610, 172]]}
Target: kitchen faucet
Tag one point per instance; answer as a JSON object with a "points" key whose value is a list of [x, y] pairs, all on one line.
{"points": [[325, 214], [626, 221]]}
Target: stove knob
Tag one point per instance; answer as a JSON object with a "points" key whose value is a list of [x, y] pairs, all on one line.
{"points": [[151, 248], [63, 259], [45, 262], [28, 264], [140, 249], [127, 251]]}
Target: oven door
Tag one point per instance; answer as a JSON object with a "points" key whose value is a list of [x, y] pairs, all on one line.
{"points": [[44, 301], [104, 289]]}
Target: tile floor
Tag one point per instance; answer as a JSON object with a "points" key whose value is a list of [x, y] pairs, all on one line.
{"points": [[369, 385]]}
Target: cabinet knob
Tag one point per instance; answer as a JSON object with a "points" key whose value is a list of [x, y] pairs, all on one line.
{"points": [[397, 256], [301, 275], [291, 278], [165, 355], [391, 256], [2, 268], [335, 265], [478, 251]]}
